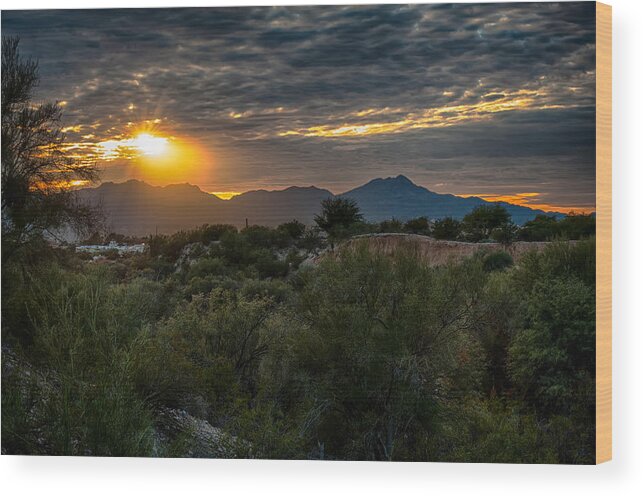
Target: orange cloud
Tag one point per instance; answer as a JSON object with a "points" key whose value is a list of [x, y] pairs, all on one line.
{"points": [[531, 200]]}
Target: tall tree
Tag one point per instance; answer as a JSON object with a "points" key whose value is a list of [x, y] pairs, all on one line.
{"points": [[337, 216], [447, 228], [483, 220], [37, 171]]}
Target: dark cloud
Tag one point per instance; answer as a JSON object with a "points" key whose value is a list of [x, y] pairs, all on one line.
{"points": [[237, 78]]}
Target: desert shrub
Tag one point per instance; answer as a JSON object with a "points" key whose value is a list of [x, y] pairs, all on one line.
{"points": [[208, 233], [495, 318], [82, 337], [267, 264], [203, 285], [265, 237], [265, 432], [492, 432], [548, 227], [138, 302], [447, 228], [391, 226], [294, 258], [210, 346], [577, 226], [559, 259], [382, 337], [210, 266], [419, 225], [497, 260], [505, 234], [479, 224], [276, 290], [552, 360], [541, 228], [364, 355], [294, 229], [311, 241]]}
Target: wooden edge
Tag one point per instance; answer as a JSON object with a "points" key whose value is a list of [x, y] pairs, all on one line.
{"points": [[603, 232]]}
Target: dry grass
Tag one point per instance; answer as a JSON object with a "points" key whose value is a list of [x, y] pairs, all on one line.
{"points": [[437, 252]]}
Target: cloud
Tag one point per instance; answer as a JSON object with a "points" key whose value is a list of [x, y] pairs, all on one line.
{"points": [[445, 116], [442, 93]]}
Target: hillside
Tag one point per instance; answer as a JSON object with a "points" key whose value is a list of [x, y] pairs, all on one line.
{"points": [[137, 208]]}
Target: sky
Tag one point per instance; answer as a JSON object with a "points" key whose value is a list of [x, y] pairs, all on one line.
{"points": [[492, 100]]}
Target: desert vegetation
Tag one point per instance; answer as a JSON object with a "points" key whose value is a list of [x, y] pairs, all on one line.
{"points": [[366, 355], [286, 342]]}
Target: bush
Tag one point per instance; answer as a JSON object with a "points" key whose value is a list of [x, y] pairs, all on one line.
{"points": [[208, 267], [391, 226], [497, 260], [447, 228], [294, 229], [375, 326], [419, 225]]}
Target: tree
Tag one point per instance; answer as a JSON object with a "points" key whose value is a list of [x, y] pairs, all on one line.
{"points": [[420, 225], [505, 234], [447, 228], [37, 173], [337, 216], [552, 359], [483, 220], [391, 226], [541, 228], [293, 229], [578, 226]]}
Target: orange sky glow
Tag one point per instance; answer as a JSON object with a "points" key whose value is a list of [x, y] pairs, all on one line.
{"points": [[531, 200]]}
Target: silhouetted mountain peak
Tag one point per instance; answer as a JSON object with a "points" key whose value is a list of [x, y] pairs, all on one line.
{"points": [[186, 187], [291, 191], [401, 179], [135, 207], [390, 187], [304, 188]]}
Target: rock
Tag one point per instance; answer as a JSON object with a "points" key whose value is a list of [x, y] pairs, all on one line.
{"points": [[182, 435]]}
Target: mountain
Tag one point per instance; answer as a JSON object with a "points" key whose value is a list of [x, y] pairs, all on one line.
{"points": [[399, 197], [137, 208], [274, 207]]}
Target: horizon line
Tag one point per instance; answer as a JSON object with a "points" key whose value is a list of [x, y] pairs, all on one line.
{"points": [[519, 199]]}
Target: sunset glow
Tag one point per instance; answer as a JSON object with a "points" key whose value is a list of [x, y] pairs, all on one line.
{"points": [[62, 184], [143, 144], [149, 145], [531, 200], [445, 116], [480, 101], [225, 195]]}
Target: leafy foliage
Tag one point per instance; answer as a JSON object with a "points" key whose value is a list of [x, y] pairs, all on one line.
{"points": [[447, 228], [338, 216], [366, 356], [36, 170], [547, 228], [482, 221]]}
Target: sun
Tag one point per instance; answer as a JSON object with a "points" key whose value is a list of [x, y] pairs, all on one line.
{"points": [[149, 145]]}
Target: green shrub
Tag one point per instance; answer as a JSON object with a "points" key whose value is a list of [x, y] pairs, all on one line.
{"points": [[497, 260]]}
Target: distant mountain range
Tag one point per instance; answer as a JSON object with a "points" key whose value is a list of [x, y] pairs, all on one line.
{"points": [[137, 208]]}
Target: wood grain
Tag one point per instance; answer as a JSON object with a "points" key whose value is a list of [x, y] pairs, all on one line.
{"points": [[603, 232]]}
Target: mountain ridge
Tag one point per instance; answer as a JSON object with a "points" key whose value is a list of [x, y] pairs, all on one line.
{"points": [[135, 207]]}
